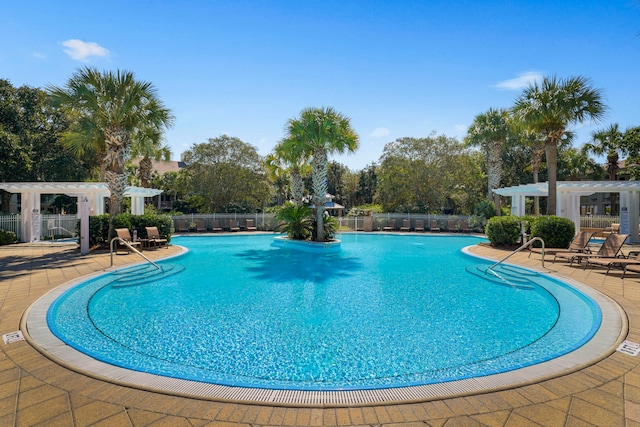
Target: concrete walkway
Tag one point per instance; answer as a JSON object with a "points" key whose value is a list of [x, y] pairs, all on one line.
{"points": [[36, 391]]}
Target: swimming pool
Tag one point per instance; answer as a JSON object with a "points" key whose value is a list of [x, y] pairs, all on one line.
{"points": [[387, 311]]}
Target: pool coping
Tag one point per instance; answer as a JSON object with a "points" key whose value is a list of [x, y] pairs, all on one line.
{"points": [[613, 330]]}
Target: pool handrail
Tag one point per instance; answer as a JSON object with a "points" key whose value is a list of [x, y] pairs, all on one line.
{"points": [[128, 245], [527, 244]]}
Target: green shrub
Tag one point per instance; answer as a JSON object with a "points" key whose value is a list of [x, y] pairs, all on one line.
{"points": [[503, 230], [7, 237], [99, 226], [556, 232], [297, 221], [485, 209]]}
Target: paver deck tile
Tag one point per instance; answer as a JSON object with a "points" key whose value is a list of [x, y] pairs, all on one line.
{"points": [[95, 411], [595, 414], [142, 418], [41, 411], [493, 419], [542, 414]]}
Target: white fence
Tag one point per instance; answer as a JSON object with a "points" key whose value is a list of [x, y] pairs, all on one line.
{"points": [[65, 225]]}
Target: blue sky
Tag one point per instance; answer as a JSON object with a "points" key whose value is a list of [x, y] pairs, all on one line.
{"points": [[396, 68]]}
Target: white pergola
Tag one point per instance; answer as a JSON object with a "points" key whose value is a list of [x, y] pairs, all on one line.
{"points": [[568, 200], [90, 196]]}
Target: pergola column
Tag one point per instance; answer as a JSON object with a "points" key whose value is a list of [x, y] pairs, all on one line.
{"points": [[633, 207], [137, 205], [30, 206]]}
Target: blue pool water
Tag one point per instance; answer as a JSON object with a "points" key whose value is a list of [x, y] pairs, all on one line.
{"points": [[386, 311]]}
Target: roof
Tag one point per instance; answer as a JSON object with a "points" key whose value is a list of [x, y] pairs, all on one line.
{"points": [[73, 188], [588, 187]]}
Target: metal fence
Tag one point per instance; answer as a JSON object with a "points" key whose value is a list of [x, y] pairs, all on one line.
{"points": [[65, 225], [598, 221]]}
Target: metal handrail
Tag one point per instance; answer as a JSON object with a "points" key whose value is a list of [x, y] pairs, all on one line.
{"points": [[127, 244], [535, 239]]}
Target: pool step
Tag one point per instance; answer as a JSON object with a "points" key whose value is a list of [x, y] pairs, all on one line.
{"points": [[139, 276], [504, 275]]}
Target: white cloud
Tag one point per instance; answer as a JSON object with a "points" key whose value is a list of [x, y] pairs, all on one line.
{"points": [[379, 132], [39, 55], [520, 82], [83, 51]]}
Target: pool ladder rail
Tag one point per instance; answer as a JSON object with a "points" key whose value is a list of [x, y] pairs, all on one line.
{"points": [[128, 245], [526, 245], [506, 275]]}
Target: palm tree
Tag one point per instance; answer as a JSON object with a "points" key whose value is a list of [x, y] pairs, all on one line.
{"points": [[320, 132], [291, 157], [109, 108], [550, 108], [490, 132], [609, 141], [147, 143]]}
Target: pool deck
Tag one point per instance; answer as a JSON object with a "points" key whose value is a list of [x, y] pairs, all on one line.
{"points": [[37, 391]]}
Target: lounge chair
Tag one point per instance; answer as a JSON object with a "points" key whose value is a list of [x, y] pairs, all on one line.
{"points": [[419, 225], [391, 225], [580, 243], [451, 226], [200, 225], [249, 225], [154, 239], [182, 226], [216, 226], [623, 263], [406, 225], [464, 226], [434, 225], [123, 233], [233, 226], [609, 249]]}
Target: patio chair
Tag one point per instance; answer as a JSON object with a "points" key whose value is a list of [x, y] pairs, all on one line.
{"points": [[182, 226], [609, 249], [216, 228], [580, 243], [200, 225], [451, 226], [233, 225], [464, 226], [434, 225], [154, 239], [631, 263], [419, 225], [249, 225], [406, 225], [123, 233], [391, 225]]}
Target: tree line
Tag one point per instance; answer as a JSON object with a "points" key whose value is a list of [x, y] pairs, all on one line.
{"points": [[92, 127]]}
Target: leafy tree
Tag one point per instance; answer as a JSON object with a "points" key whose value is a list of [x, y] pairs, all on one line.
{"points": [[490, 132], [320, 132], [110, 110], [432, 174], [367, 185], [225, 173], [550, 108], [30, 133]]}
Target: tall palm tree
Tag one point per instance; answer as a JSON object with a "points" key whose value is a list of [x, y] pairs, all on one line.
{"points": [[320, 132], [550, 108], [290, 156], [490, 132], [609, 141], [110, 107], [147, 143]]}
